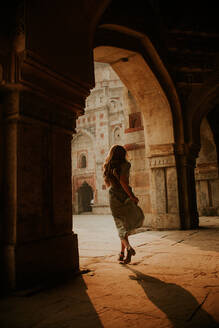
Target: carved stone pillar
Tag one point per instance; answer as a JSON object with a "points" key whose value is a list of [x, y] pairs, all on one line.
{"points": [[37, 238], [40, 97], [164, 187], [173, 194]]}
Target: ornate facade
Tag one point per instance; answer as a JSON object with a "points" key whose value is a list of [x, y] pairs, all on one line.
{"points": [[111, 115]]}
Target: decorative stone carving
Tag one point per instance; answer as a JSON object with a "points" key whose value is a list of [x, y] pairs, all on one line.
{"points": [[162, 161], [206, 171], [161, 156]]}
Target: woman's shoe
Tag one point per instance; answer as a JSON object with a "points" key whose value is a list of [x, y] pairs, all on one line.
{"points": [[130, 253], [121, 256]]}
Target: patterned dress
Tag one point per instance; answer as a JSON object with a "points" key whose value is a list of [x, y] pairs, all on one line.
{"points": [[123, 209]]}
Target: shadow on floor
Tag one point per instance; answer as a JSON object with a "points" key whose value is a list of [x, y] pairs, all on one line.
{"points": [[57, 306], [180, 306]]}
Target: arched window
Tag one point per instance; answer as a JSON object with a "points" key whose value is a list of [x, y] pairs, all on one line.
{"points": [[113, 104], [83, 161], [117, 135], [85, 198]]}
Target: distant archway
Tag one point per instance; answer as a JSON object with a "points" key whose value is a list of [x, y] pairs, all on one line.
{"points": [[202, 107], [208, 100], [85, 196], [206, 173]]}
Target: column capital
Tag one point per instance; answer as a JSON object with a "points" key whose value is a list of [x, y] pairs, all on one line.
{"points": [[161, 155], [188, 153]]}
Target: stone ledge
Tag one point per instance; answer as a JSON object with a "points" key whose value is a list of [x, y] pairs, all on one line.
{"points": [[162, 161]]}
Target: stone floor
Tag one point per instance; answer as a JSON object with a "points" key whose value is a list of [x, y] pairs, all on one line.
{"points": [[173, 281]]}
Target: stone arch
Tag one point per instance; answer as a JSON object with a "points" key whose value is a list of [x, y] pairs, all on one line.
{"points": [[46, 91], [128, 43], [85, 195], [161, 202], [140, 80], [206, 173], [202, 103], [199, 105], [83, 166]]}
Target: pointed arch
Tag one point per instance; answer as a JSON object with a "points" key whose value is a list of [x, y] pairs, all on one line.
{"points": [[128, 43], [200, 104]]}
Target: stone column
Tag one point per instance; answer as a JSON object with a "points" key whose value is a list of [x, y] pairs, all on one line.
{"points": [[41, 93], [172, 184], [162, 169], [37, 241], [185, 159]]}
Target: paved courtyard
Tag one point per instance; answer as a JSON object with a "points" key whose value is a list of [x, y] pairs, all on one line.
{"points": [[172, 282], [97, 235]]}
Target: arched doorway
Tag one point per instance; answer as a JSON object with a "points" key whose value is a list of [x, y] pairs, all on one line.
{"points": [[206, 173], [85, 196], [161, 203], [203, 141], [83, 168]]}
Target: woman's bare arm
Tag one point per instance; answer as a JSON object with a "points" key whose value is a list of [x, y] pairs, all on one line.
{"points": [[124, 183]]}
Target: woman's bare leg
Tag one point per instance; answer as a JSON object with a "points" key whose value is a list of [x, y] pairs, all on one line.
{"points": [[122, 247], [125, 242], [130, 250], [122, 253]]}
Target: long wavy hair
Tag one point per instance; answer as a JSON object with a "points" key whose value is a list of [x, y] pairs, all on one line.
{"points": [[113, 161]]}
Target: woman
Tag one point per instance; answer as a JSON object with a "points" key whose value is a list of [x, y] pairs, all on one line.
{"points": [[116, 175]]}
